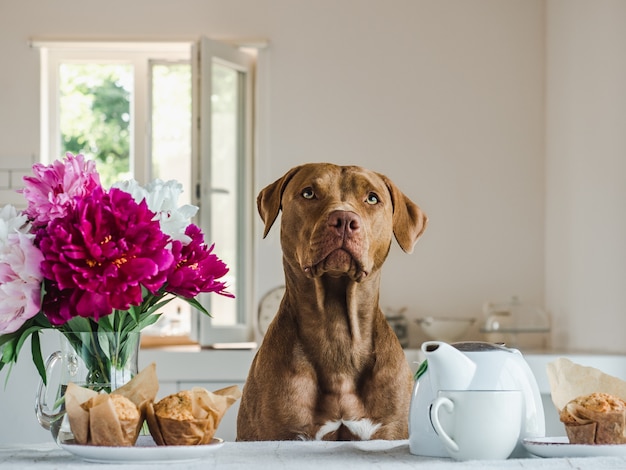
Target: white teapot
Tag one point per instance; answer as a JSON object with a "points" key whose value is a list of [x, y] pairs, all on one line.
{"points": [[470, 365]]}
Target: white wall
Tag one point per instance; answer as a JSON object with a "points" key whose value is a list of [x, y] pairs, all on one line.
{"points": [[445, 97], [586, 173]]}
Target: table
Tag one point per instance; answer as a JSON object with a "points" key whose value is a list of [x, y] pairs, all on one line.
{"points": [[300, 456]]}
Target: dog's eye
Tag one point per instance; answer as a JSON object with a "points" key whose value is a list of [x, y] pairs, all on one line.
{"points": [[307, 193], [372, 198]]}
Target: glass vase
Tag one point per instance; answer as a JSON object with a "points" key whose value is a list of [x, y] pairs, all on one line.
{"points": [[101, 361]]}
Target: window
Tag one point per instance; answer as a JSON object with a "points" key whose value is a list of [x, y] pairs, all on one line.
{"points": [[171, 111]]}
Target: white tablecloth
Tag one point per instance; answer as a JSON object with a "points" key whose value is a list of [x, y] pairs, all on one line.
{"points": [[302, 456]]}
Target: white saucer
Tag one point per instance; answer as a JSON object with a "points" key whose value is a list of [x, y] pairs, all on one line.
{"points": [[145, 451], [560, 447]]}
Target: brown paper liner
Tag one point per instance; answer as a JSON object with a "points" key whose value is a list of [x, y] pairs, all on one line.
{"points": [[569, 380], [581, 433], [94, 418], [207, 409], [596, 427]]}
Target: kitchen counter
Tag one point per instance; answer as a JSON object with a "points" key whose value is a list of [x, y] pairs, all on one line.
{"points": [[302, 455]]}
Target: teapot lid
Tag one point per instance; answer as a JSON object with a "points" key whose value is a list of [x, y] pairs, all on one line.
{"points": [[480, 346]]}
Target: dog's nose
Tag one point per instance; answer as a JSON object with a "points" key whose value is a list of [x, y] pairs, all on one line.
{"points": [[344, 222]]}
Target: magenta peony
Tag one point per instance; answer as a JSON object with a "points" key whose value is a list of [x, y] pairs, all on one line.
{"points": [[54, 188], [98, 257], [196, 268]]}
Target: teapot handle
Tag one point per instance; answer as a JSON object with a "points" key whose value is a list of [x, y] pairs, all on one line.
{"points": [[42, 410]]}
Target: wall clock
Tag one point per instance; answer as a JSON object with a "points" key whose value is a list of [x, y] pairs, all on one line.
{"points": [[268, 308]]}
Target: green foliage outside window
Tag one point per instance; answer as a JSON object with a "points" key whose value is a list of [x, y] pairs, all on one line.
{"points": [[95, 116]]}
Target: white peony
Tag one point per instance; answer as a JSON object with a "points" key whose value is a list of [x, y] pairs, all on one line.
{"points": [[162, 199], [11, 222]]}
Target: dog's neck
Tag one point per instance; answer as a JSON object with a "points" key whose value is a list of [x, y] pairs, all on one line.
{"points": [[341, 298], [334, 310]]}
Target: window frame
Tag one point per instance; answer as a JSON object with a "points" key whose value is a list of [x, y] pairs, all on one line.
{"points": [[141, 55], [206, 52], [136, 54]]}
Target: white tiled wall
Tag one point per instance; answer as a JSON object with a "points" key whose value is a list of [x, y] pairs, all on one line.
{"points": [[10, 181], [5, 179]]}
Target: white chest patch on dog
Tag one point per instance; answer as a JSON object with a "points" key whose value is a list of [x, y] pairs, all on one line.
{"points": [[364, 429]]}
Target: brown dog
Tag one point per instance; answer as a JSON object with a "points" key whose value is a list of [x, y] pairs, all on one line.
{"points": [[330, 367]]}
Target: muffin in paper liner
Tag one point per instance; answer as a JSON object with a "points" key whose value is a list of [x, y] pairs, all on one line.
{"points": [[597, 418], [115, 419], [591, 404], [189, 417]]}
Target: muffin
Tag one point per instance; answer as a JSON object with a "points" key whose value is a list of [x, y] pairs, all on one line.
{"points": [[104, 420], [114, 419], [177, 406], [596, 418], [189, 417], [125, 409]]}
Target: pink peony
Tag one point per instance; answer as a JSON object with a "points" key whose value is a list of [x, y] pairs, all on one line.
{"points": [[20, 281], [53, 189], [99, 256], [196, 268]]}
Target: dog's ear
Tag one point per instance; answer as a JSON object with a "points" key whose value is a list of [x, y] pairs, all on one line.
{"points": [[269, 199], [409, 222]]}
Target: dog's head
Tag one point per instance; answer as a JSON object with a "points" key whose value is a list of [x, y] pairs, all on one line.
{"points": [[339, 220]]}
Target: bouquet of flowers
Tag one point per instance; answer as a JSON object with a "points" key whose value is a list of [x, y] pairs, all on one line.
{"points": [[81, 258]]}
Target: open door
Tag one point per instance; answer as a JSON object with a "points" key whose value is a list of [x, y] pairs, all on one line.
{"points": [[222, 176]]}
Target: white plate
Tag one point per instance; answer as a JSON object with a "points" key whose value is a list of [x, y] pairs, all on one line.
{"points": [[144, 451], [560, 447]]}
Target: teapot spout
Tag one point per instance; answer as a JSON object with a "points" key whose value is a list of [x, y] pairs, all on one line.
{"points": [[449, 368]]}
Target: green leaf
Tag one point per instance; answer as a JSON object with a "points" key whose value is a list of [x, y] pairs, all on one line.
{"points": [[194, 303], [107, 323], [23, 337], [77, 324], [6, 380], [35, 346], [8, 351], [149, 320], [8, 354], [6, 338], [12, 343], [162, 303], [135, 313], [421, 370]]}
